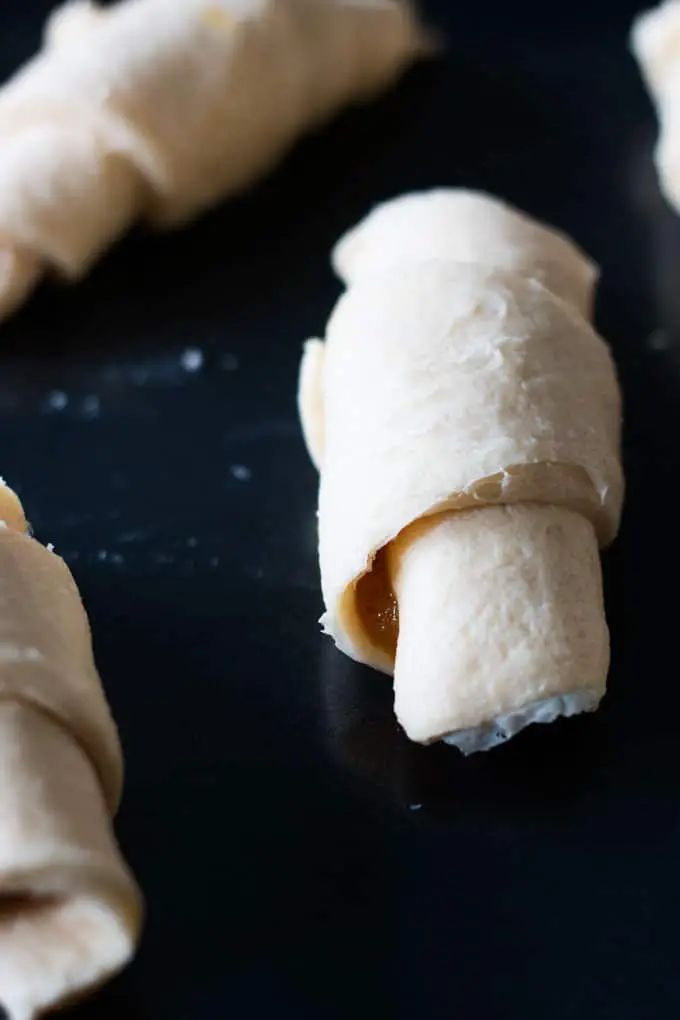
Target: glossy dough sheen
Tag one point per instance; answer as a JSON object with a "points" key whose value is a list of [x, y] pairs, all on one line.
{"points": [[70, 910], [655, 43], [158, 108], [447, 385]]}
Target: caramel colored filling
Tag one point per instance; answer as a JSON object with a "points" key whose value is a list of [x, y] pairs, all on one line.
{"points": [[377, 606], [216, 17]]}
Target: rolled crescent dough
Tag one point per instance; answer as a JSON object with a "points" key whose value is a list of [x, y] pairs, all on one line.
{"points": [[158, 108], [70, 911], [466, 421]]}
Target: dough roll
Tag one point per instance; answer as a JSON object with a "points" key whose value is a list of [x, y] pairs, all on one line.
{"points": [[70, 911], [466, 422], [655, 42], [157, 109]]}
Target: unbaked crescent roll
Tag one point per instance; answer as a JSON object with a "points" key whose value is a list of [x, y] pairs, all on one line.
{"points": [[655, 41], [157, 108], [466, 420], [70, 911]]}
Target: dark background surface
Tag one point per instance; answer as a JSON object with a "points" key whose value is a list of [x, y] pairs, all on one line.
{"points": [[300, 858]]}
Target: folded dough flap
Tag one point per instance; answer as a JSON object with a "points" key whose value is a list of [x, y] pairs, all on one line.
{"points": [[70, 911], [466, 226], [501, 623], [448, 387], [64, 197], [46, 653]]}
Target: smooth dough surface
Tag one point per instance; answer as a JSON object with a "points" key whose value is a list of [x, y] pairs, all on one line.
{"points": [[466, 226]]}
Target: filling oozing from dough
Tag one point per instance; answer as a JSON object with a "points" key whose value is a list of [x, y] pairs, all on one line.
{"points": [[501, 621], [377, 607]]}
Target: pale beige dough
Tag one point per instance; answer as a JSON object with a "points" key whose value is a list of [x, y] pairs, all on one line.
{"points": [[157, 109], [70, 910], [444, 386], [655, 41], [523, 623]]}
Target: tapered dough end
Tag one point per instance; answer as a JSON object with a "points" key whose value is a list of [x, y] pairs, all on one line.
{"points": [[64, 192], [20, 271], [70, 911], [459, 225], [501, 623], [72, 21], [655, 42], [310, 399]]}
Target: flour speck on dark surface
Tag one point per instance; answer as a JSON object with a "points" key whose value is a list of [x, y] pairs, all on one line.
{"points": [[299, 857]]}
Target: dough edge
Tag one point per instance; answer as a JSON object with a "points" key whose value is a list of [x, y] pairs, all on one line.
{"points": [[504, 727]]}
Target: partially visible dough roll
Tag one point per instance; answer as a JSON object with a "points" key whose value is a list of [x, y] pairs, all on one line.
{"points": [[157, 109], [70, 910], [446, 388], [655, 41]]}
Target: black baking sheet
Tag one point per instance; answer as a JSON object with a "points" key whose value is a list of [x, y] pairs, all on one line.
{"points": [[300, 859]]}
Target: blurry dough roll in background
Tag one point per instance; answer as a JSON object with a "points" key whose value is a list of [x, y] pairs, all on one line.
{"points": [[655, 42], [157, 109], [465, 419], [70, 911]]}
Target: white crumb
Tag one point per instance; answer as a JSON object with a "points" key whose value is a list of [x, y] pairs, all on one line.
{"points": [[50, 547], [229, 362], [414, 807], [91, 406], [132, 536], [3, 524], [241, 472], [102, 555], [57, 400], [192, 359]]}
